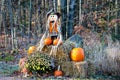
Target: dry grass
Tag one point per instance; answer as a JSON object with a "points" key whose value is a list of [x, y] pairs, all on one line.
{"points": [[101, 58], [108, 59]]}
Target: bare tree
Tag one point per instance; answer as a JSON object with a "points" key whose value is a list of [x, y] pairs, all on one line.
{"points": [[64, 17], [11, 22], [70, 20]]}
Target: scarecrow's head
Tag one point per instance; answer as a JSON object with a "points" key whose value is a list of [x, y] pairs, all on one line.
{"points": [[53, 17]]}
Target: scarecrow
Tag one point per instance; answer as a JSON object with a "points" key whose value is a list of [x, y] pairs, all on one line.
{"points": [[53, 30]]}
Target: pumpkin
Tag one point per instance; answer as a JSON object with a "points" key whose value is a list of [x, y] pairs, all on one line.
{"points": [[30, 73], [77, 54], [48, 41], [31, 49], [55, 42], [58, 72]]}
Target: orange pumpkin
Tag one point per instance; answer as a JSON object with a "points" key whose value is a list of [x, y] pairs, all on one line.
{"points": [[30, 73], [58, 73], [48, 41], [31, 49], [77, 54], [55, 42]]}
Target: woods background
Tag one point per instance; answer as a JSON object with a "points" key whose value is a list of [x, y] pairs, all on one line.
{"points": [[22, 22]]}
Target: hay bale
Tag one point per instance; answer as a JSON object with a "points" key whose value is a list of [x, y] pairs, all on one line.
{"points": [[75, 69], [61, 55], [80, 69], [67, 68]]}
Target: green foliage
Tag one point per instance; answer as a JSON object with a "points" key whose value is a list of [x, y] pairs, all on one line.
{"points": [[7, 57], [40, 63]]}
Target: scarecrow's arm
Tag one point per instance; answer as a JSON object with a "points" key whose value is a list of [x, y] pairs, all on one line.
{"points": [[59, 34], [41, 43]]}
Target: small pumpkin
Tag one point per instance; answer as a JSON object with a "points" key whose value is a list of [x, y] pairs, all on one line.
{"points": [[55, 42], [30, 73], [77, 54], [31, 49], [47, 41], [58, 72]]}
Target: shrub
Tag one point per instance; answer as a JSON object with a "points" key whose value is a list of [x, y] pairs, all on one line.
{"points": [[40, 63]]}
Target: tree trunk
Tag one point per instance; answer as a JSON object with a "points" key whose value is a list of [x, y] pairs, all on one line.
{"points": [[64, 17], [11, 22], [38, 20], [58, 7], [116, 13], [30, 19], [80, 12], [71, 21], [2, 16], [55, 5]]}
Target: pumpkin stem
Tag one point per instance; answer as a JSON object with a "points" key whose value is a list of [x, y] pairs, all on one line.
{"points": [[59, 68]]}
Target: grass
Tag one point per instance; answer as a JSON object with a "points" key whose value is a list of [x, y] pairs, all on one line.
{"points": [[8, 55], [7, 58], [103, 55], [8, 68]]}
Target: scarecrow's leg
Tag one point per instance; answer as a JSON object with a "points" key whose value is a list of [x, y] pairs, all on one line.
{"points": [[60, 40], [53, 50]]}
